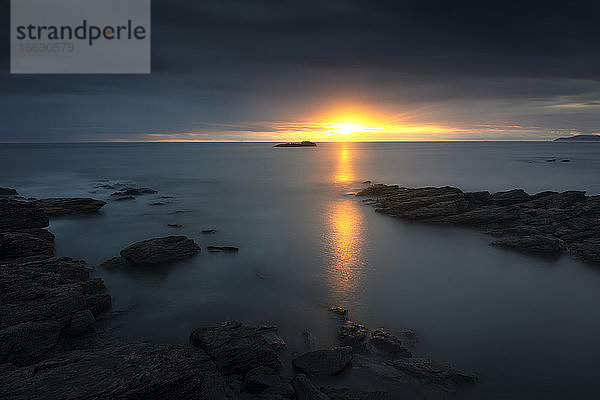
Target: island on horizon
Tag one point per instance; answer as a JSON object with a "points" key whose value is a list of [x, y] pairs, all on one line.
{"points": [[304, 143], [579, 138]]}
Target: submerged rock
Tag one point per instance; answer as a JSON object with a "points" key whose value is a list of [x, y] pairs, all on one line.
{"points": [[433, 372], [235, 348], [131, 191], [222, 249], [324, 362], [160, 250], [208, 231], [69, 206]]}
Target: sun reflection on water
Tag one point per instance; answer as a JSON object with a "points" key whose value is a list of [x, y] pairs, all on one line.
{"points": [[344, 232]]}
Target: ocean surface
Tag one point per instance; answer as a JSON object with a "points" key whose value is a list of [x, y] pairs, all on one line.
{"points": [[529, 327]]}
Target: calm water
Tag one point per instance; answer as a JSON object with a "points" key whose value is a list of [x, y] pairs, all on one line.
{"points": [[529, 327]]}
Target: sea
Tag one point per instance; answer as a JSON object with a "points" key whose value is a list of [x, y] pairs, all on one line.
{"points": [[528, 327]]}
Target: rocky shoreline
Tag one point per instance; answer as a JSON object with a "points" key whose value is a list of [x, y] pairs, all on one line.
{"points": [[545, 224], [51, 346]]}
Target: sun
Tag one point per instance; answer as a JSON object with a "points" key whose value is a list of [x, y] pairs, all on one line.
{"points": [[346, 128]]}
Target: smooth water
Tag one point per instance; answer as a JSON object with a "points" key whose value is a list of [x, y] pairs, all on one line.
{"points": [[528, 327]]}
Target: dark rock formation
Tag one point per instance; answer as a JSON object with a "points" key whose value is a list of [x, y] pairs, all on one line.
{"points": [[546, 223], [352, 334], [132, 371], [222, 249], [324, 362], [160, 250], [8, 192], [235, 348], [43, 301], [432, 372], [305, 390], [17, 215], [175, 225], [26, 244], [208, 231], [342, 312], [387, 342], [69, 206]]}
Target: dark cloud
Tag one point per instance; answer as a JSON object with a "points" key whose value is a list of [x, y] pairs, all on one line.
{"points": [[237, 62]]}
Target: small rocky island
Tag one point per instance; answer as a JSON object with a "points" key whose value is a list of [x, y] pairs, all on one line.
{"points": [[546, 223], [304, 143]]}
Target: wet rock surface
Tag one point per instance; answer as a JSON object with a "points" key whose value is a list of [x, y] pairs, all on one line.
{"points": [[546, 223], [305, 390], [17, 215], [131, 371], [352, 334], [69, 206], [433, 372], [385, 341], [235, 348], [160, 250], [132, 191], [324, 362], [8, 192]]}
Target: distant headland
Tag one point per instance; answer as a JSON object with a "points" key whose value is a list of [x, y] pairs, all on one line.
{"points": [[304, 143], [579, 138]]}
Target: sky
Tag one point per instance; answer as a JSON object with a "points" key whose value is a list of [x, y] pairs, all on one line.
{"points": [[330, 70]]}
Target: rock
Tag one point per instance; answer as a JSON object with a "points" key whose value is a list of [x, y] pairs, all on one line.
{"points": [[535, 244], [69, 206], [222, 249], [352, 334], [130, 191], [304, 143], [367, 182], [510, 197], [565, 160], [81, 322], [39, 300], [115, 263], [547, 223], [275, 341], [324, 362], [208, 231], [347, 394], [158, 203], [305, 390], [21, 244], [122, 198], [432, 372], [133, 371], [551, 160], [16, 215], [388, 343], [342, 312], [235, 348], [160, 250], [267, 381], [8, 192], [175, 225], [28, 341]]}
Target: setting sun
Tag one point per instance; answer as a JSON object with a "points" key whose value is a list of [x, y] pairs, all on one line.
{"points": [[346, 128]]}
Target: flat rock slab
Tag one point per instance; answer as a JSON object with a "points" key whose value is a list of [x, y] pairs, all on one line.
{"points": [[324, 362], [69, 206], [134, 371], [235, 348], [546, 223], [160, 250]]}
